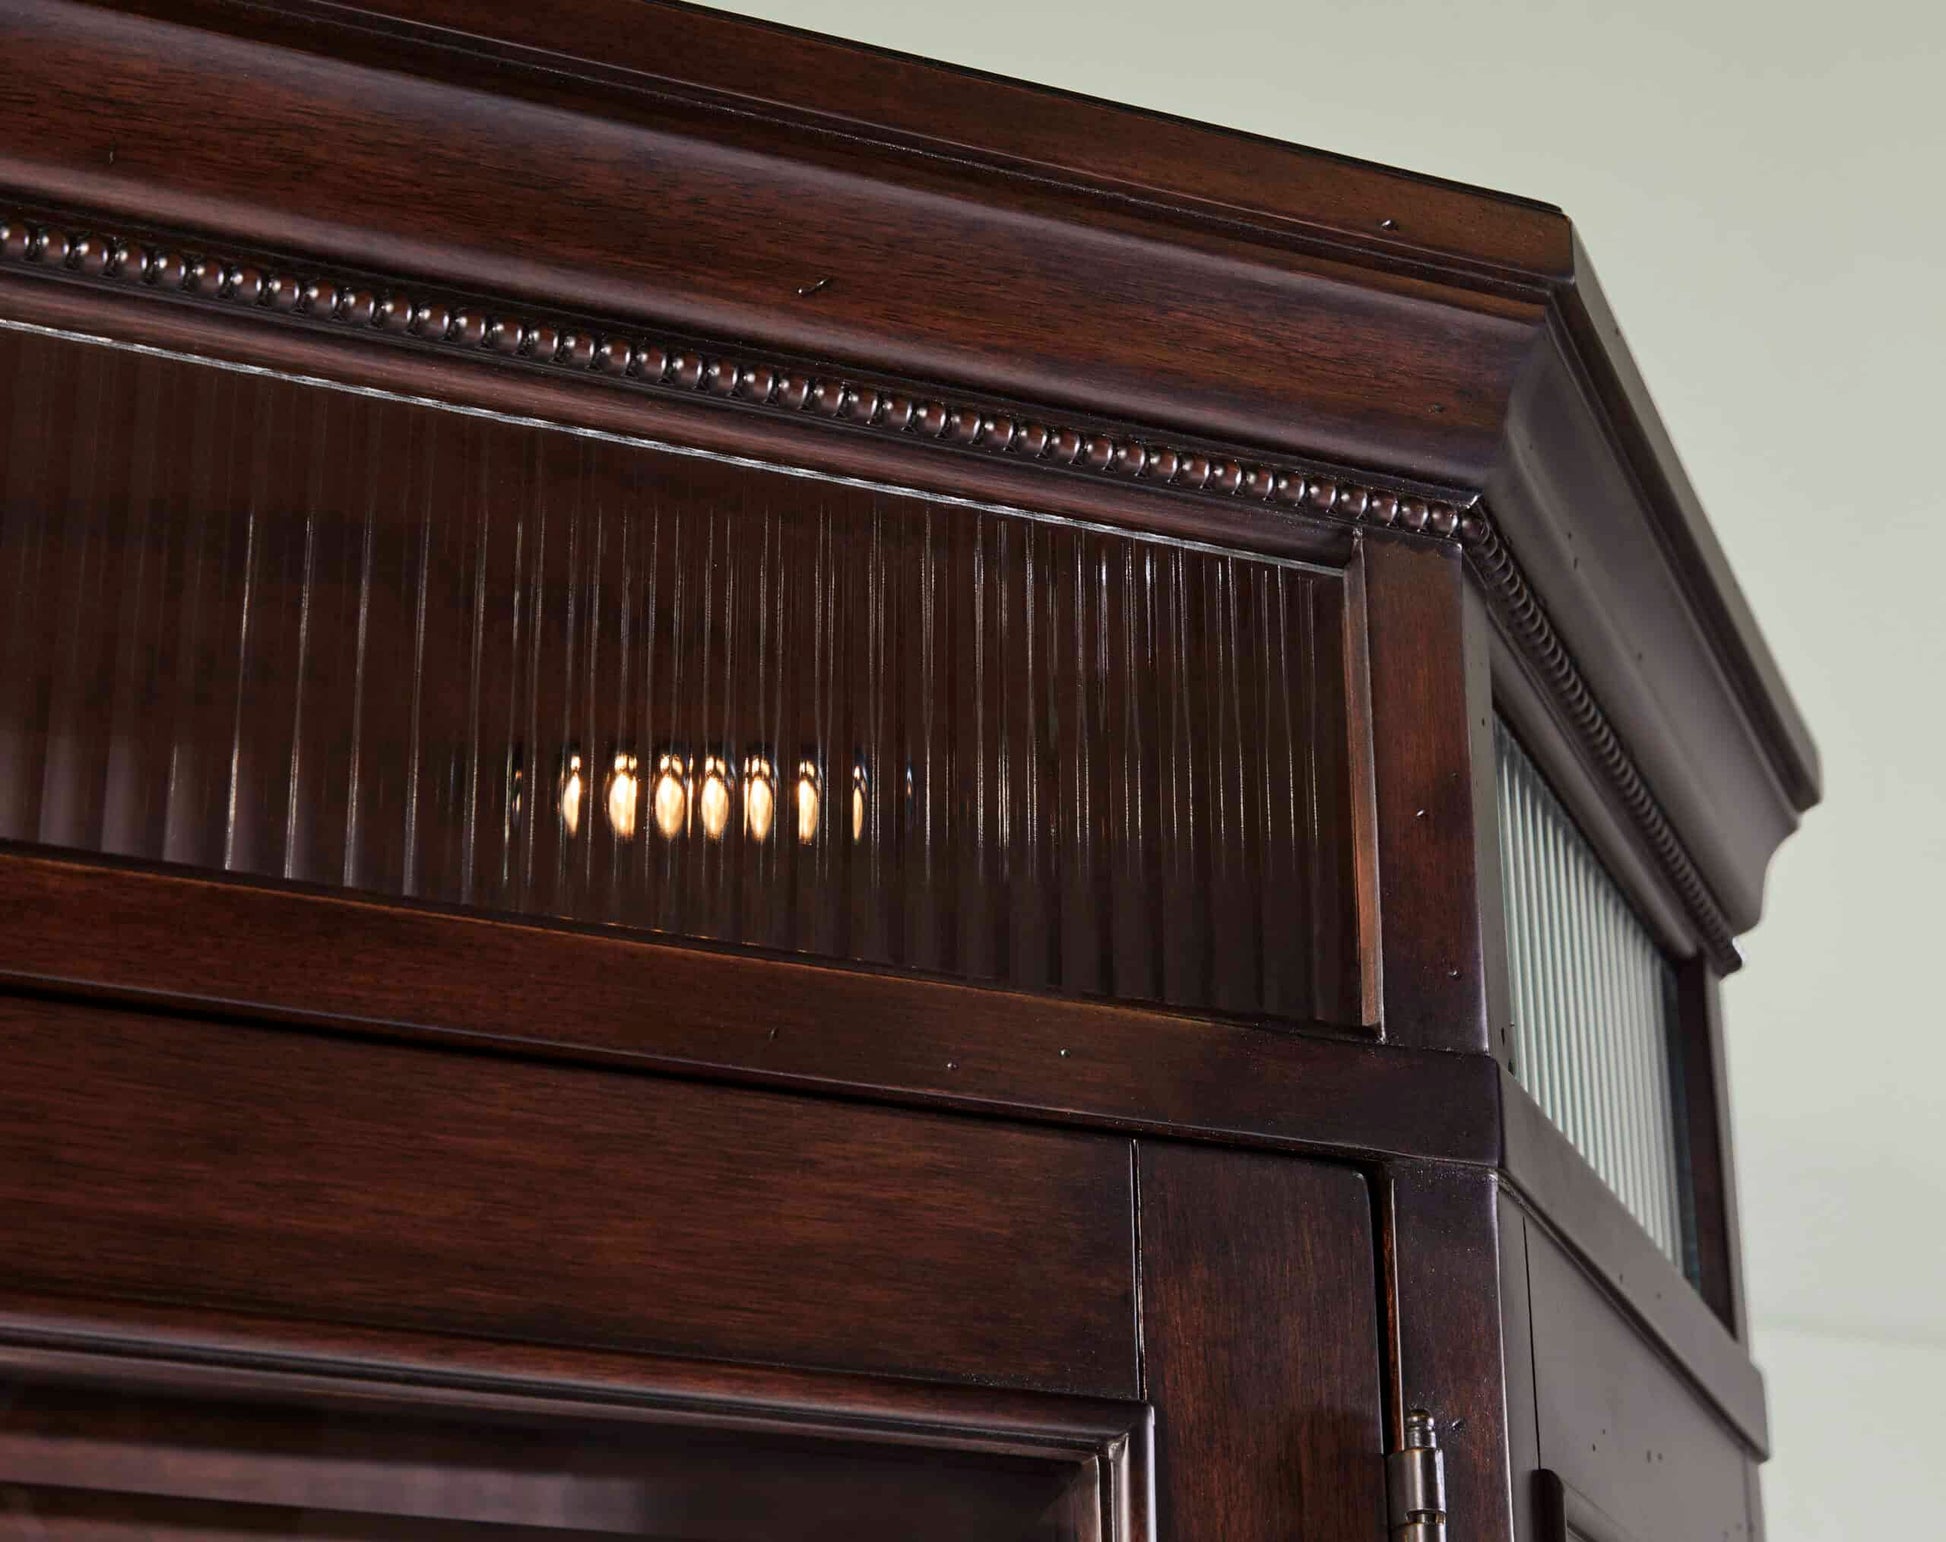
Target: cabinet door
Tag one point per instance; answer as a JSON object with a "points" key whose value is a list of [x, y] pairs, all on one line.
{"points": [[290, 1194], [224, 1454], [315, 1178], [1260, 1346]]}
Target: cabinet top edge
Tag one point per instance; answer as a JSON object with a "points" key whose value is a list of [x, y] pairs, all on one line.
{"points": [[1286, 300], [904, 103], [1154, 165]]}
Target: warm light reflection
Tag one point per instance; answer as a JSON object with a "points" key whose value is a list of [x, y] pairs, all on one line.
{"points": [[860, 785], [573, 789], [810, 799], [683, 792], [759, 798], [624, 790], [713, 802], [670, 799]]}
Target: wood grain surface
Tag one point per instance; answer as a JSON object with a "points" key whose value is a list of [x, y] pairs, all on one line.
{"points": [[310, 1176], [1260, 1343]]}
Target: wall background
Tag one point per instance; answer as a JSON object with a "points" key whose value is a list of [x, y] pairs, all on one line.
{"points": [[1761, 185]]}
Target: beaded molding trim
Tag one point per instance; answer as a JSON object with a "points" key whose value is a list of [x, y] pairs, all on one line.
{"points": [[1535, 634], [674, 368]]}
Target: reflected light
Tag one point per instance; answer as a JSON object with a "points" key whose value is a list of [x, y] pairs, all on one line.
{"points": [[860, 784], [713, 802], [573, 788], [624, 790], [670, 799], [759, 798], [810, 799]]}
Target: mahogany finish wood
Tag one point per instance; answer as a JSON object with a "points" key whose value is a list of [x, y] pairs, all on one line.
{"points": [[307, 1176], [331, 1393], [190, 1350], [1612, 1420], [802, 1228], [1517, 1346], [391, 107], [689, 418], [824, 84], [755, 212], [73, 1459], [1542, 1166], [1567, 1516], [1262, 1359], [1443, 1255], [281, 954], [273, 629], [1434, 981]]}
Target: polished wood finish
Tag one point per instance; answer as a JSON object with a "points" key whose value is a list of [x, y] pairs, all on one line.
{"points": [[954, 1198], [424, 653], [1612, 1418], [1567, 1516], [282, 954], [1443, 340], [75, 1458], [420, 1188], [690, 418], [1262, 1360], [1543, 1167], [1434, 981], [726, 1445], [567, 172], [1517, 1347], [1443, 1255]]}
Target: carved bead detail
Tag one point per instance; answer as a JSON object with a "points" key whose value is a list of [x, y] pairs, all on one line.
{"points": [[90, 256], [648, 364], [643, 362], [1527, 619]]}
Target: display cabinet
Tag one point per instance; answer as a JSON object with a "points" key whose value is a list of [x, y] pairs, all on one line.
{"points": [[756, 791]]}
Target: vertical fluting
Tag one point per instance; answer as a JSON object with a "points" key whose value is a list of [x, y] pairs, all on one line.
{"points": [[1591, 999], [271, 628]]}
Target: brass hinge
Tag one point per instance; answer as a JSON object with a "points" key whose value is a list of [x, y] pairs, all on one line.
{"points": [[1415, 1483]]}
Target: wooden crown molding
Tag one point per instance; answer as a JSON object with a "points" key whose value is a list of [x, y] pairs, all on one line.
{"points": [[629, 358], [293, 292], [1492, 560], [1252, 305]]}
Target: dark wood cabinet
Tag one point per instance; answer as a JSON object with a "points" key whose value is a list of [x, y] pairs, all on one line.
{"points": [[754, 791]]}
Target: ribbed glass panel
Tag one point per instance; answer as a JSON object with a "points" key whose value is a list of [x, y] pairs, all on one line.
{"points": [[1593, 1001], [263, 626]]}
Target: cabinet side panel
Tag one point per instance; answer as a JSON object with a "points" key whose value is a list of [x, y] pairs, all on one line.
{"points": [[1260, 1346], [1517, 1350], [1617, 1423]]}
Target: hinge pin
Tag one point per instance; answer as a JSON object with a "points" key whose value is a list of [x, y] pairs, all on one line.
{"points": [[1415, 1482]]}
